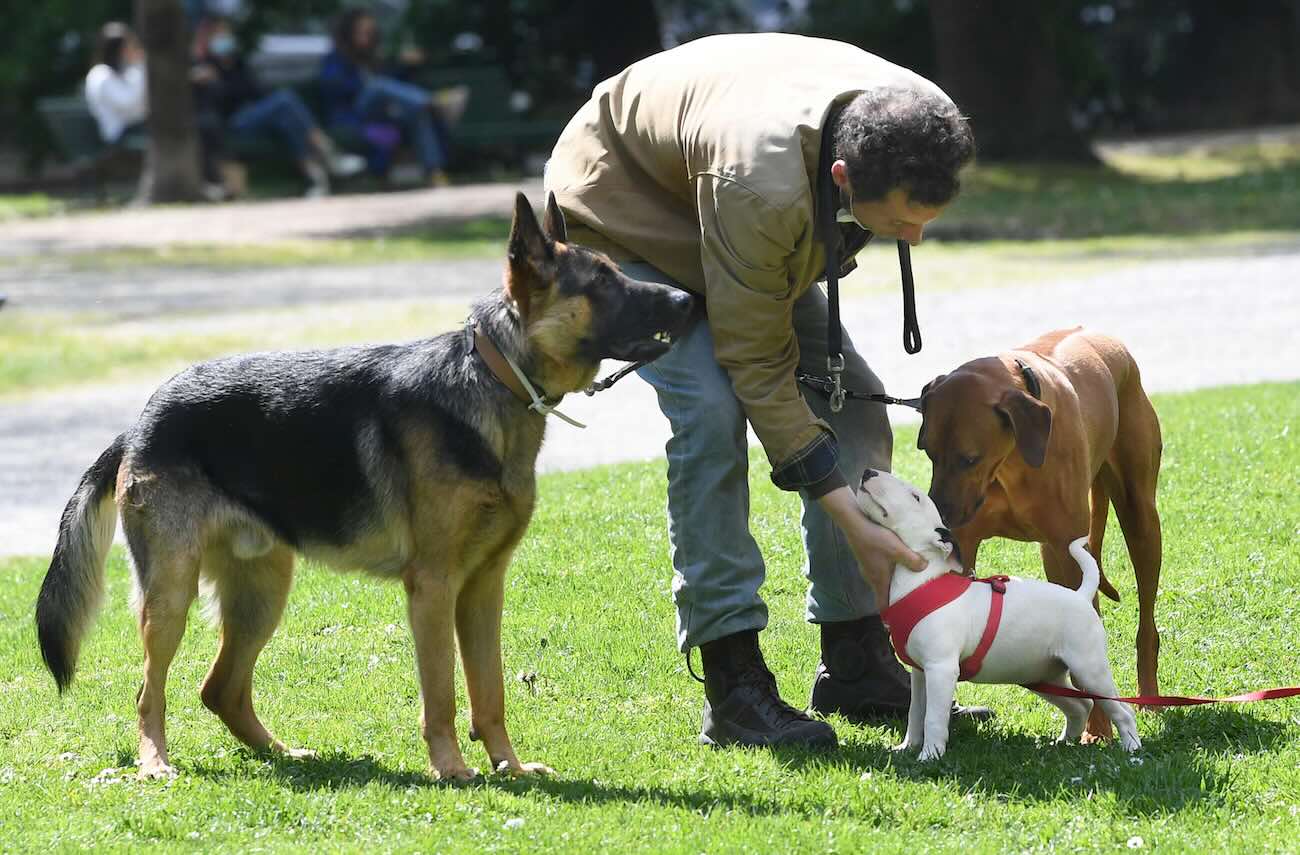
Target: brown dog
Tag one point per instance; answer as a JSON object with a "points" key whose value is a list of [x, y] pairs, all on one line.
{"points": [[1019, 442]]}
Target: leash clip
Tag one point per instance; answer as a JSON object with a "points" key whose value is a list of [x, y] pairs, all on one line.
{"points": [[834, 367]]}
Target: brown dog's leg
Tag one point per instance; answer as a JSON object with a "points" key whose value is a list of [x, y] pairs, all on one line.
{"points": [[431, 603], [1062, 569], [478, 626], [1136, 462], [169, 587], [1100, 504], [251, 596]]}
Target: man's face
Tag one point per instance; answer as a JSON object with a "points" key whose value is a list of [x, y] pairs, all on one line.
{"points": [[894, 217]]}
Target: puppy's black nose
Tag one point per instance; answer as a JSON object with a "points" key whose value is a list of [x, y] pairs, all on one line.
{"points": [[868, 475]]}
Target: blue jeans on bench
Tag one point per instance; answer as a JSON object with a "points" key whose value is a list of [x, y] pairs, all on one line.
{"points": [[282, 112], [408, 105], [716, 562]]}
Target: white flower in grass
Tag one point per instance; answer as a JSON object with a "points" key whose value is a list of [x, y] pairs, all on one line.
{"points": [[1136, 842], [515, 822]]}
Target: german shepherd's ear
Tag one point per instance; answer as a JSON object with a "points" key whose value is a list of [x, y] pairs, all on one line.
{"points": [[530, 255], [1030, 420], [553, 221]]}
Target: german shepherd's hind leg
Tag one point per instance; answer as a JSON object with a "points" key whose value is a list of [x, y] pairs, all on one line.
{"points": [[249, 596], [478, 627], [431, 606], [167, 576]]}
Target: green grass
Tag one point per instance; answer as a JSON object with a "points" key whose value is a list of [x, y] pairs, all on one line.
{"points": [[612, 709], [17, 207], [1236, 189], [40, 352]]}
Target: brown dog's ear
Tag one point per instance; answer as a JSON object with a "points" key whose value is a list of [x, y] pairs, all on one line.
{"points": [[553, 221], [529, 253], [925, 390], [1030, 420]]}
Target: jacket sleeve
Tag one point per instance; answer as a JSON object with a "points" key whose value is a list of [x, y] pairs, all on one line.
{"points": [[746, 244]]}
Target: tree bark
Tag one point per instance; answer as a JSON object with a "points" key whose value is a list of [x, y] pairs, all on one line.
{"points": [[997, 60], [171, 171]]}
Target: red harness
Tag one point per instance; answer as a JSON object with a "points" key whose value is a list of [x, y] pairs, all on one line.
{"points": [[903, 616]]}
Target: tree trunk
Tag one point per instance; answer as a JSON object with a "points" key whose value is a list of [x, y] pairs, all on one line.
{"points": [[997, 59], [171, 171]]}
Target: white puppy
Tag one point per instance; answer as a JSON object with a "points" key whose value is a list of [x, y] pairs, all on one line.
{"points": [[1047, 633]]}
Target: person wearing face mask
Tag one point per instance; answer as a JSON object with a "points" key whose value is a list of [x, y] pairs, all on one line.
{"points": [[227, 97], [701, 167]]}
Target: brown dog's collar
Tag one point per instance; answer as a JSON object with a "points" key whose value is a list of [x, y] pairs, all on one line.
{"points": [[1030, 378], [497, 364]]}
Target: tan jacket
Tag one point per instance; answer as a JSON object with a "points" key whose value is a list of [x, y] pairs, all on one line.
{"points": [[701, 161]]}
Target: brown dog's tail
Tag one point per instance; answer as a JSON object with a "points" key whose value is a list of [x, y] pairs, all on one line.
{"points": [[74, 584], [1097, 525]]}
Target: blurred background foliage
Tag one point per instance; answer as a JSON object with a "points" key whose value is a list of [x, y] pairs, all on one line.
{"points": [[1040, 77]]}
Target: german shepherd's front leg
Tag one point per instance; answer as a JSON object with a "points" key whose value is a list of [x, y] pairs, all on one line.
{"points": [[430, 600], [478, 625]]}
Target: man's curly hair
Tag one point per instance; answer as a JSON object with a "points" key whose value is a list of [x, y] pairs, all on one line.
{"points": [[904, 138]]}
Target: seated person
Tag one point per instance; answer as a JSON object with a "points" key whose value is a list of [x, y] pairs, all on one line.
{"points": [[116, 90], [227, 96], [376, 106]]}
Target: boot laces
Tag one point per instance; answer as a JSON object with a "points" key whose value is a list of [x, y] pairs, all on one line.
{"points": [[769, 702]]}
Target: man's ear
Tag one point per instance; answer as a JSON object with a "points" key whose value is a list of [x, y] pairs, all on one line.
{"points": [[1030, 420], [553, 221], [530, 255]]}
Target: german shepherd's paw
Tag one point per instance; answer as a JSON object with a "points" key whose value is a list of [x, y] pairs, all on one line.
{"points": [[456, 775], [522, 769], [155, 771]]}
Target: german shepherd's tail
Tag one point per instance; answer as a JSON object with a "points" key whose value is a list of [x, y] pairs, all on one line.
{"points": [[1088, 565], [74, 584]]}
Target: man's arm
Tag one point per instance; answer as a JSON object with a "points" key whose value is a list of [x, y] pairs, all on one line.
{"points": [[746, 244]]}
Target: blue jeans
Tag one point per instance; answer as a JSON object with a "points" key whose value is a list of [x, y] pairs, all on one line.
{"points": [[408, 105], [717, 567], [281, 112]]}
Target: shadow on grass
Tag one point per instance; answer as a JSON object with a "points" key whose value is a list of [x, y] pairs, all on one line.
{"points": [[1170, 773]]}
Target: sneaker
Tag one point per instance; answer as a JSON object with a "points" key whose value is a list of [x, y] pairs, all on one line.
{"points": [[742, 705], [345, 165], [318, 178]]}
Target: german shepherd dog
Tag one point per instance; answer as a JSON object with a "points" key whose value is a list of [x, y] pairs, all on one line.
{"points": [[412, 461]]}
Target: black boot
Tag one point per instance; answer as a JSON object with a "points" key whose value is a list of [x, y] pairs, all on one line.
{"points": [[741, 703], [860, 678]]}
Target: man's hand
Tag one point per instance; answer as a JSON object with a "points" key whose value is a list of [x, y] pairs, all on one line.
{"points": [[877, 548]]}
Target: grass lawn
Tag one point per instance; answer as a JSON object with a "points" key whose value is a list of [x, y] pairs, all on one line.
{"points": [[608, 702]]}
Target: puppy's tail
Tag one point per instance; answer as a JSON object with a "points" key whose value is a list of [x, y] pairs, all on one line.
{"points": [[1088, 564], [74, 584]]}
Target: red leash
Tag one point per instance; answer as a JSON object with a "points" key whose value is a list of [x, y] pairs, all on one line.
{"points": [[1168, 700]]}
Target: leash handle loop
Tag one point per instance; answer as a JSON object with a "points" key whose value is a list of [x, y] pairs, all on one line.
{"points": [[911, 327]]}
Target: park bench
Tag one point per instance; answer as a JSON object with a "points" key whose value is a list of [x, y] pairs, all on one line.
{"points": [[77, 136]]}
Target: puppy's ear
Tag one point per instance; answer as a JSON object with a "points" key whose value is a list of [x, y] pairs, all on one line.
{"points": [[553, 221], [530, 253], [1030, 420], [949, 542]]}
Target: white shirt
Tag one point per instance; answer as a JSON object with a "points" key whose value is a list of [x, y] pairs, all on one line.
{"points": [[116, 100]]}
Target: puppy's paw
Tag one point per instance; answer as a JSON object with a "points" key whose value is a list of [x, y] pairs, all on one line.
{"points": [[1131, 742], [931, 751], [906, 746]]}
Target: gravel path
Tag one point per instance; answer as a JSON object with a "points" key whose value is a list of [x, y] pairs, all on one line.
{"points": [[1191, 324], [265, 221]]}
